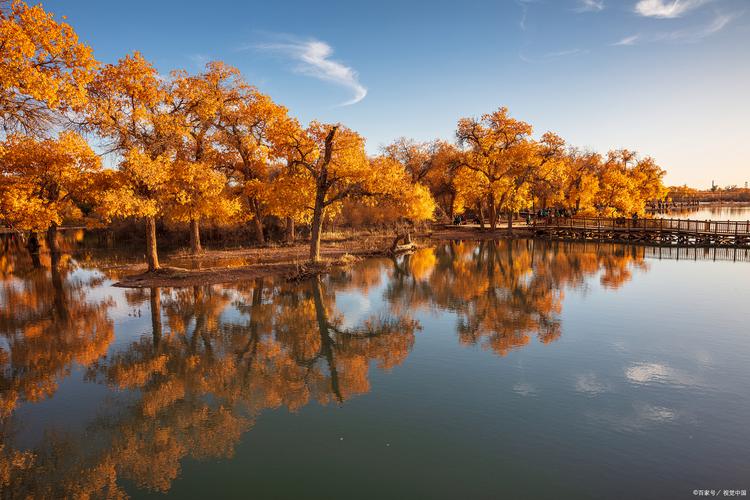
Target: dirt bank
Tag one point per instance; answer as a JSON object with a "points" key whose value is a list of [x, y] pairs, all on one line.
{"points": [[287, 261], [227, 266]]}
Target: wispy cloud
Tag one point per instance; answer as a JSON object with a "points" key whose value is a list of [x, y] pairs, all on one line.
{"points": [[667, 9], [590, 6], [552, 55], [314, 59], [524, 5], [563, 53], [628, 40], [717, 24]]}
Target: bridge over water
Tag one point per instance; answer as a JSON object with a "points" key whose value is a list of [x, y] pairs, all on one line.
{"points": [[658, 232]]}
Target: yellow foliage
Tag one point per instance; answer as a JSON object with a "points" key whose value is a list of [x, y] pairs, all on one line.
{"points": [[42, 180], [43, 67], [196, 192]]}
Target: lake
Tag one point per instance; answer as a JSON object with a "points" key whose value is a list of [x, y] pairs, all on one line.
{"points": [[514, 368], [713, 211]]}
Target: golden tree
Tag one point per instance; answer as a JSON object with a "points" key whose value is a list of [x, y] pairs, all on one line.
{"points": [[130, 106], [616, 188], [289, 196], [580, 183], [471, 189], [417, 157], [433, 164], [252, 129], [141, 188], [393, 197], [445, 161], [44, 182], [43, 68], [197, 192], [334, 157], [627, 183], [498, 149], [201, 101], [546, 167], [648, 177]]}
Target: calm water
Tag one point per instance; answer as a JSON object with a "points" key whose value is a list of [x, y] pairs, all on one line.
{"points": [[712, 212], [514, 369]]}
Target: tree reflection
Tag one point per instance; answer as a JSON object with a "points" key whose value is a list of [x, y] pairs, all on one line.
{"points": [[47, 323], [216, 357], [203, 375], [505, 291]]}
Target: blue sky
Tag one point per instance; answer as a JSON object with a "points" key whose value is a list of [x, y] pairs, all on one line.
{"points": [[668, 78]]}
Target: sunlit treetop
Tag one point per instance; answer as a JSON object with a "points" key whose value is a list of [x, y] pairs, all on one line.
{"points": [[43, 68], [130, 106]]}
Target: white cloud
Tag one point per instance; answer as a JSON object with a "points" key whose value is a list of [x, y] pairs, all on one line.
{"points": [[657, 373], [551, 55], [666, 9], [589, 384], [590, 6], [524, 5], [563, 53], [628, 40], [717, 24], [314, 58]]}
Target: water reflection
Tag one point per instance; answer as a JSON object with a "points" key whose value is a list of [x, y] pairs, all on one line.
{"points": [[213, 358], [47, 323], [505, 291], [729, 211]]}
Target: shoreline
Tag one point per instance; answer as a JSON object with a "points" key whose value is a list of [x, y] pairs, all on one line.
{"points": [[289, 262]]}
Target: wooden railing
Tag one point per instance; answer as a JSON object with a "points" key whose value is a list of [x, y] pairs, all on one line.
{"points": [[693, 253], [627, 224], [657, 251]]}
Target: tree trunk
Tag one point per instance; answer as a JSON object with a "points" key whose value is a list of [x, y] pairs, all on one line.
{"points": [[54, 250], [326, 342], [156, 315], [493, 211], [510, 221], [289, 229], [451, 207], [258, 220], [317, 226], [480, 209], [32, 245], [152, 257], [195, 237], [60, 300]]}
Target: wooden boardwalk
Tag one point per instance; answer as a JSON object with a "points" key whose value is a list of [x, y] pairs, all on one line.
{"points": [[659, 232]]}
